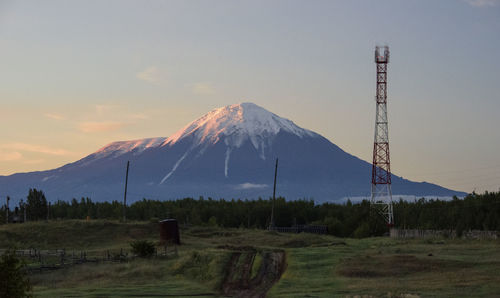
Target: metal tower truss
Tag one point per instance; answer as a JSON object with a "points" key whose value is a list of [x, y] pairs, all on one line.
{"points": [[381, 198]]}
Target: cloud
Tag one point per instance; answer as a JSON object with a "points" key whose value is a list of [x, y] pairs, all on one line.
{"points": [[139, 116], [122, 110], [90, 127], [150, 75], [10, 156], [101, 109], [33, 161], [35, 148], [250, 186], [54, 116], [203, 88], [483, 3]]}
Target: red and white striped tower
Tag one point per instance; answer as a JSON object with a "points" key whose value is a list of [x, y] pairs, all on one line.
{"points": [[381, 198]]}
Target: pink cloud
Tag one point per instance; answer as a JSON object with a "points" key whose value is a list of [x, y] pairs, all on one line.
{"points": [[90, 127], [35, 148], [151, 75], [54, 116], [10, 156]]}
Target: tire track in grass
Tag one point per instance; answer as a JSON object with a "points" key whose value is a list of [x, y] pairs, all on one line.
{"points": [[238, 282]]}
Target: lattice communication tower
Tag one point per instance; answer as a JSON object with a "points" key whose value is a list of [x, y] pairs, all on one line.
{"points": [[381, 198]]}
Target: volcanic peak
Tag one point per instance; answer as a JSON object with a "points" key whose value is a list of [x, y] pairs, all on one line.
{"points": [[237, 122]]}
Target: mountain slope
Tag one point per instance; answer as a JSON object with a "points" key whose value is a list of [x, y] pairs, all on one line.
{"points": [[229, 152]]}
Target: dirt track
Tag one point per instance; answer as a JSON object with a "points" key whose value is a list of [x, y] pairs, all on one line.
{"points": [[237, 282]]}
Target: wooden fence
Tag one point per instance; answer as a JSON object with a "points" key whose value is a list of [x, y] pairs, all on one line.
{"points": [[38, 261], [415, 233], [316, 229]]}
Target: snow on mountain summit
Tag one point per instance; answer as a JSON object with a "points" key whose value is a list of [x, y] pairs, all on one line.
{"points": [[237, 123], [234, 124], [122, 147]]}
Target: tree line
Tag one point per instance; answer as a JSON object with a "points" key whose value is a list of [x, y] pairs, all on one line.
{"points": [[475, 211]]}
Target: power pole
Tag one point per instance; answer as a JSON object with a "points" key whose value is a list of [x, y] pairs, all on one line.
{"points": [[381, 198], [48, 211], [271, 224], [7, 209], [24, 209], [125, 195]]}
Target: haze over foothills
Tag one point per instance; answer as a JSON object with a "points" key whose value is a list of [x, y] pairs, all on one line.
{"points": [[79, 75]]}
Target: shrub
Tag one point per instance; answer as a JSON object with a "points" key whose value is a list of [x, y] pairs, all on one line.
{"points": [[143, 248], [212, 221], [362, 231], [13, 280]]}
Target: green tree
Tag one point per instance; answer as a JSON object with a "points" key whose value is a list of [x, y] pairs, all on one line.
{"points": [[36, 204]]}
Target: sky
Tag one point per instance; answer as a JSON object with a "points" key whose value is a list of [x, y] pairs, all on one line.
{"points": [[77, 75]]}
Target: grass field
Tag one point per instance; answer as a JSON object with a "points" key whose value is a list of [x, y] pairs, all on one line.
{"points": [[316, 266]]}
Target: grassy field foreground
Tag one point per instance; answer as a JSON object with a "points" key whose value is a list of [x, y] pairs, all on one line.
{"points": [[215, 262]]}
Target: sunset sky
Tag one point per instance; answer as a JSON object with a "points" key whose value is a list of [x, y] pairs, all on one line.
{"points": [[77, 75]]}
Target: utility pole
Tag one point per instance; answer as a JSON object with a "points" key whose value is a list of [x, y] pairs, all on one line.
{"points": [[7, 209], [125, 195], [48, 211], [271, 224], [381, 167], [24, 209]]}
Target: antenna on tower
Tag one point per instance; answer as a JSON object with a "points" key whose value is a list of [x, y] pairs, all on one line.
{"points": [[381, 198]]}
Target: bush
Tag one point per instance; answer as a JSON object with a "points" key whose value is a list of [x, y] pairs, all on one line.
{"points": [[143, 248], [362, 231], [13, 280], [212, 221], [335, 226]]}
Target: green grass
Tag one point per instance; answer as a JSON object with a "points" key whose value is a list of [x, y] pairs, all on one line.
{"points": [[257, 261], [76, 234], [317, 266], [384, 267], [140, 277]]}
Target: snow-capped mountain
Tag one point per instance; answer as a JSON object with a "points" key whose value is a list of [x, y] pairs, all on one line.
{"points": [[229, 152], [237, 124]]}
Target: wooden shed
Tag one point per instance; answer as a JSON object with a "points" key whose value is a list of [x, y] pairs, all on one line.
{"points": [[169, 231]]}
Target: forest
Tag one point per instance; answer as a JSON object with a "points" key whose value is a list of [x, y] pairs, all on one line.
{"points": [[474, 212]]}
